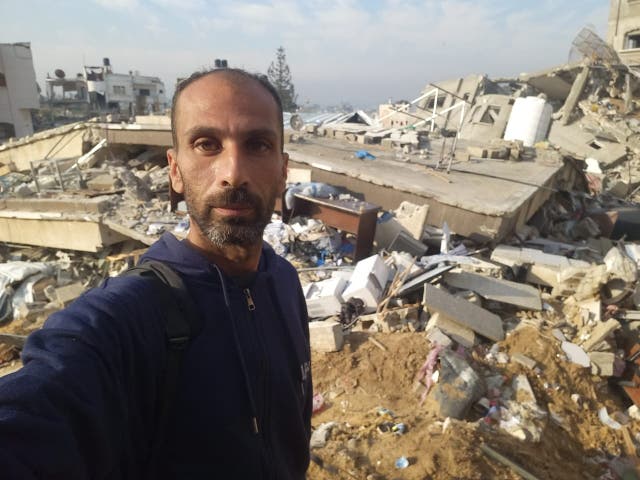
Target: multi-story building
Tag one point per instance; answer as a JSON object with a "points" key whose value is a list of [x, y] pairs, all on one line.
{"points": [[624, 30], [99, 89], [18, 90], [127, 93]]}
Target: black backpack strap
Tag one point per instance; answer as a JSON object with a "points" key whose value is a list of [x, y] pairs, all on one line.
{"points": [[183, 324]]}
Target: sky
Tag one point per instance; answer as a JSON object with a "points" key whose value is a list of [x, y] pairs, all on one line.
{"points": [[363, 52]]}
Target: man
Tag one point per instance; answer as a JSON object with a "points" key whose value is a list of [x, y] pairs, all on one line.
{"points": [[86, 403]]}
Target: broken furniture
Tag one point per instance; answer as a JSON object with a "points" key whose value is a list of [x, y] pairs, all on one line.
{"points": [[352, 216]]}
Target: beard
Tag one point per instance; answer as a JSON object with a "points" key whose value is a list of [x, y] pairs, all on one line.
{"points": [[222, 231]]}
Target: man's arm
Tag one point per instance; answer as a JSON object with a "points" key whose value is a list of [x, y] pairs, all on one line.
{"points": [[82, 405]]}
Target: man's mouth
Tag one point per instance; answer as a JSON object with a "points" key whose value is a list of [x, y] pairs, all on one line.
{"points": [[234, 210]]}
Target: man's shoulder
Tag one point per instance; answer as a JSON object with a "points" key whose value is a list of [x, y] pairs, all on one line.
{"points": [[117, 300]]}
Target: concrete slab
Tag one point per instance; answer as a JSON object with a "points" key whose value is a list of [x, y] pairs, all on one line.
{"points": [[602, 363], [582, 144], [57, 143], [544, 268], [77, 232], [486, 199], [459, 333], [463, 312], [600, 333], [504, 291], [576, 354], [66, 223]]}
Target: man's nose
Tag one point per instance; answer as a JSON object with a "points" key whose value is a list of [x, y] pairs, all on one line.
{"points": [[232, 167]]}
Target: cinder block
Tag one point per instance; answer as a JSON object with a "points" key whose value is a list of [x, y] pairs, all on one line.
{"points": [[478, 152], [326, 336]]}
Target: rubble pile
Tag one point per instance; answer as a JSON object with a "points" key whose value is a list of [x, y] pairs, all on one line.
{"points": [[515, 350], [485, 326]]}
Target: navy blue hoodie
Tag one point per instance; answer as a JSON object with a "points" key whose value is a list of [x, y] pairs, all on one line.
{"points": [[85, 404]]}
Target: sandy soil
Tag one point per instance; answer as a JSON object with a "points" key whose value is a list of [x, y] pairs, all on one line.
{"points": [[362, 378]]}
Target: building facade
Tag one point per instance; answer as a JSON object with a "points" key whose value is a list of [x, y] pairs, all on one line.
{"points": [[624, 30], [130, 93], [18, 90]]}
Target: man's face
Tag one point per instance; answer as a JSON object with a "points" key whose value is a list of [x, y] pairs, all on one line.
{"points": [[228, 161]]}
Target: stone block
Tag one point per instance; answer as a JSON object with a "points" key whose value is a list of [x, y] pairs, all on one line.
{"points": [[413, 218], [477, 152], [464, 313], [602, 363], [437, 336], [102, 183], [600, 333], [326, 336], [523, 360], [458, 333]]}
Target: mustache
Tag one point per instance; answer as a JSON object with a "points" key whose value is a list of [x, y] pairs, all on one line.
{"points": [[234, 196]]}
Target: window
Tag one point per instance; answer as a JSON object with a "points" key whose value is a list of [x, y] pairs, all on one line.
{"points": [[431, 101], [119, 90], [490, 115], [3, 80], [144, 92], [632, 40]]}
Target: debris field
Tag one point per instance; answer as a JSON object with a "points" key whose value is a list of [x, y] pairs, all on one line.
{"points": [[470, 266]]}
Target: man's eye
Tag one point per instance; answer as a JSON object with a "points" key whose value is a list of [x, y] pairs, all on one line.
{"points": [[205, 145], [259, 145]]}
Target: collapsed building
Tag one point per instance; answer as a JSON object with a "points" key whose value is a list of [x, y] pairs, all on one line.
{"points": [[469, 259]]}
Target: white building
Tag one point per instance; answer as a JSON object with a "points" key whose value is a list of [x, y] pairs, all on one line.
{"points": [[18, 90], [127, 93], [624, 30]]}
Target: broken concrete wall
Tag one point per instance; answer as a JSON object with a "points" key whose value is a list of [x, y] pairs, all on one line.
{"points": [[488, 118]]}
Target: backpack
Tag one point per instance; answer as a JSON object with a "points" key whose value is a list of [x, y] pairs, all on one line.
{"points": [[183, 324]]}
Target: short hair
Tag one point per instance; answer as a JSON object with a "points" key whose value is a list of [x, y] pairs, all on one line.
{"points": [[237, 73]]}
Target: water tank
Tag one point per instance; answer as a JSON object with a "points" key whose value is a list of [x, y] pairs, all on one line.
{"points": [[529, 120]]}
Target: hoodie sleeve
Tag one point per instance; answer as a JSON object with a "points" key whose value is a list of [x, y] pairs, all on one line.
{"points": [[81, 407]]}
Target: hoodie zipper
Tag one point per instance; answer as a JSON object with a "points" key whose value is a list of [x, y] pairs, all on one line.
{"points": [[266, 404], [250, 304]]}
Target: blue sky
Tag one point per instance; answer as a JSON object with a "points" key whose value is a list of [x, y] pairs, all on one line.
{"points": [[358, 51]]}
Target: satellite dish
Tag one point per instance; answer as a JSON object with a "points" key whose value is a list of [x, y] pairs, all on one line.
{"points": [[296, 122], [59, 73]]}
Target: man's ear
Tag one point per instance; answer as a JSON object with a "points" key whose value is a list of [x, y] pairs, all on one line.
{"points": [[175, 176]]}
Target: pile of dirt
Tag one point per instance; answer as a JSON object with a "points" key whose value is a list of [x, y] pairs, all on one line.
{"points": [[366, 390]]}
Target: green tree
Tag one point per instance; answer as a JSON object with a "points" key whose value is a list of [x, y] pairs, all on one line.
{"points": [[280, 76]]}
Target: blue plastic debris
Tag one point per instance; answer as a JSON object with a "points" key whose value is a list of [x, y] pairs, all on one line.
{"points": [[363, 154]]}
